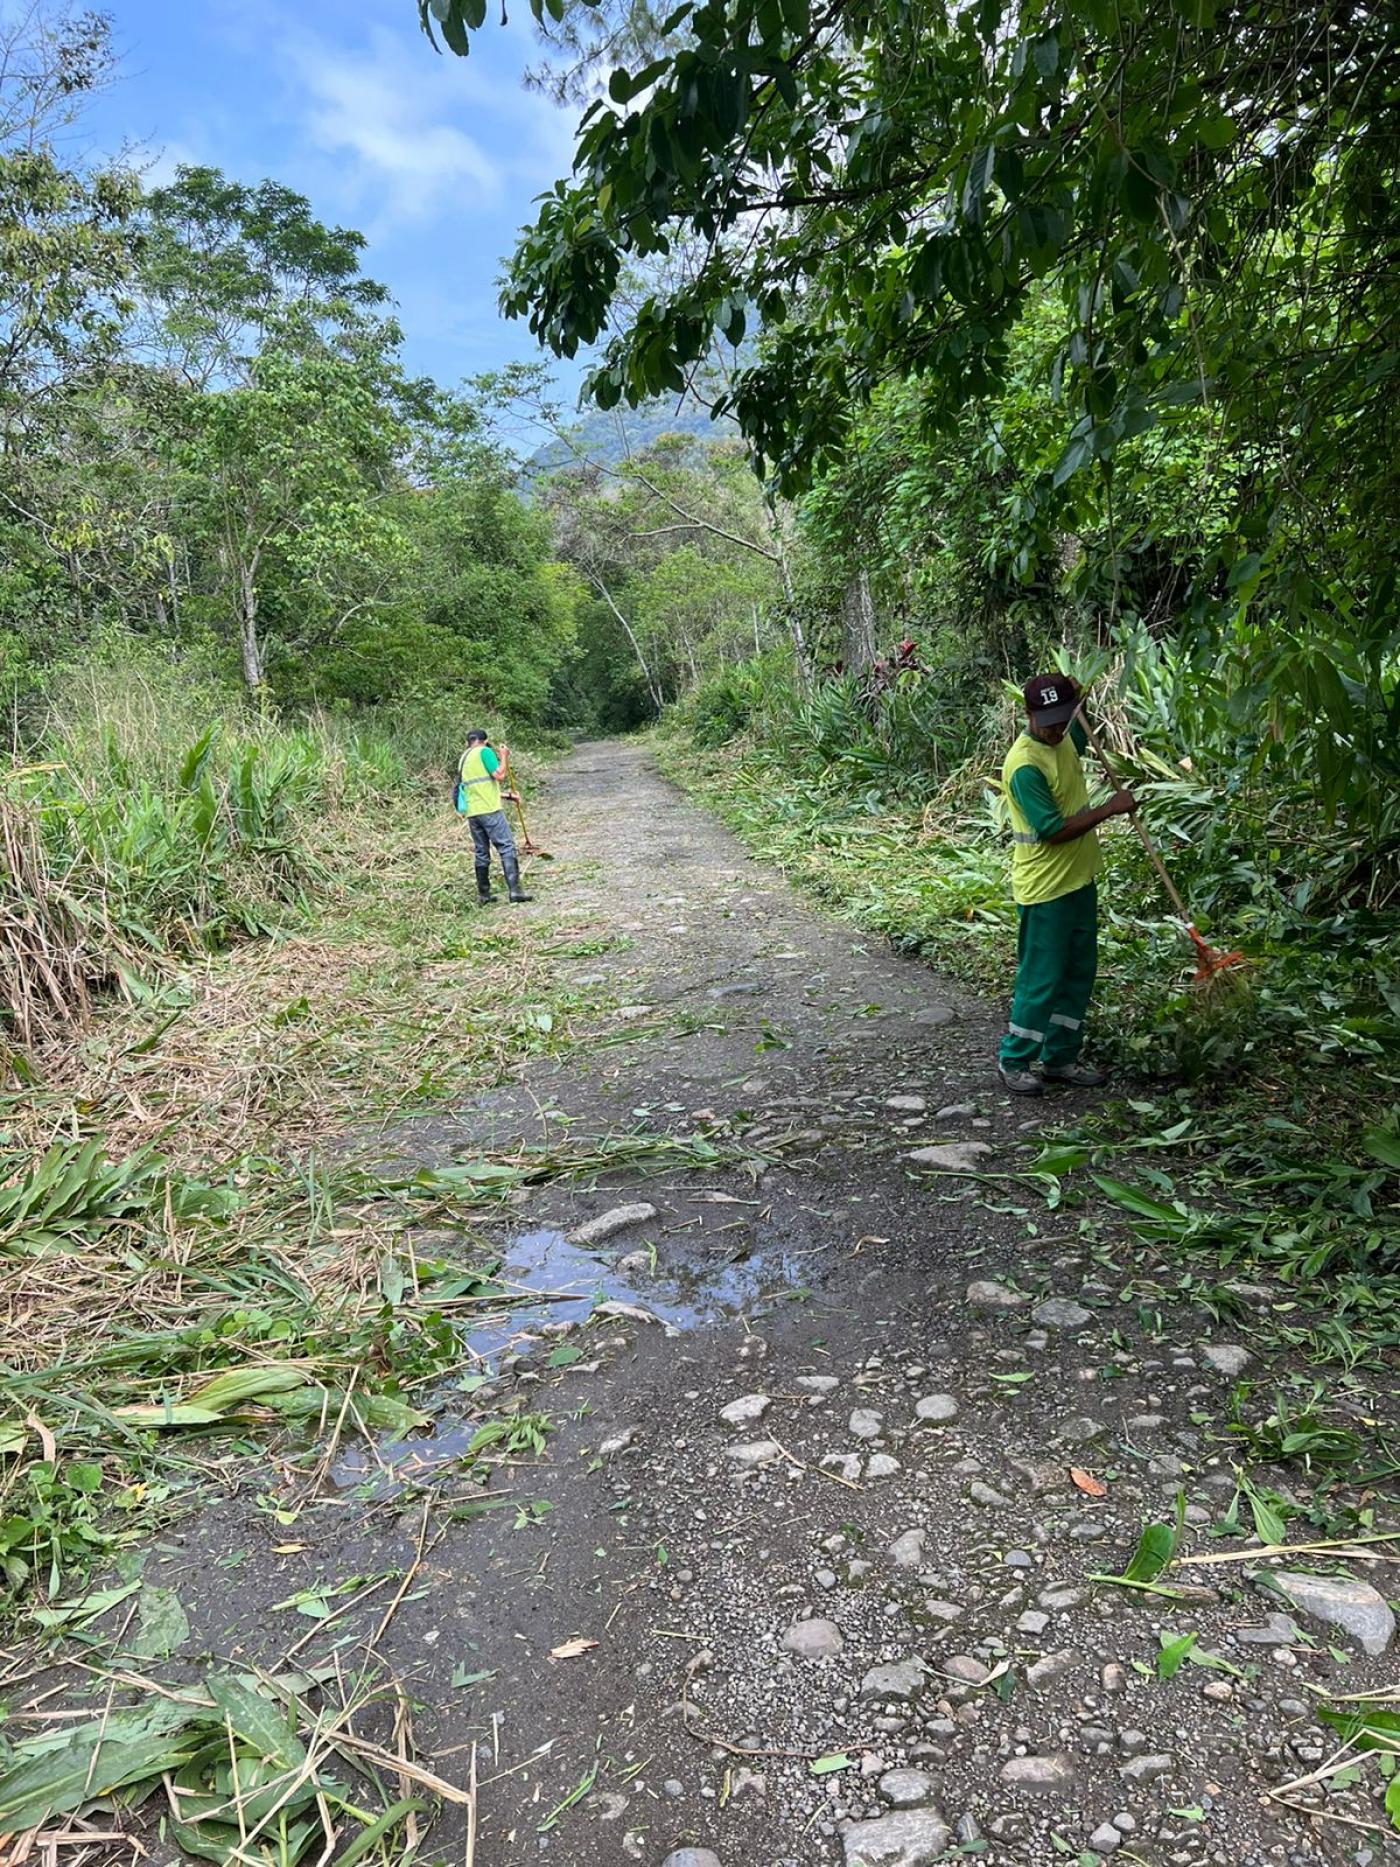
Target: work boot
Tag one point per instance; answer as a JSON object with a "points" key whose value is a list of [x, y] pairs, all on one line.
{"points": [[1078, 1076], [483, 887], [1020, 1082], [513, 888]]}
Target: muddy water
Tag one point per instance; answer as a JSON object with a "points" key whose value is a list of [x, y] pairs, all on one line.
{"points": [[553, 1286]]}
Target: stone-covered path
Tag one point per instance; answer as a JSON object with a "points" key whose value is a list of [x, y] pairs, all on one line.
{"points": [[805, 1577]]}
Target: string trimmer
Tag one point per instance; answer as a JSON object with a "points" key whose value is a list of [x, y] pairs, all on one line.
{"points": [[1210, 963], [531, 849]]}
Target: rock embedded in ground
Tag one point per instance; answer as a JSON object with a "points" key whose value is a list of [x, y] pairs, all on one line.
{"points": [[969, 1671], [988, 1294], [936, 1409], [865, 1423], [908, 1550], [846, 1465], [1278, 1630], [1341, 1601], [748, 1410], [883, 1465], [955, 1111], [1061, 1596], [906, 1789], [911, 1105], [1226, 1358], [1044, 1672], [1041, 1776], [953, 1156], [692, 1857], [988, 1497], [817, 1383], [1081, 1430], [813, 1640], [905, 1838], [1147, 1769], [619, 1442], [617, 1219], [753, 1453], [1105, 1838], [898, 1679], [1061, 1313]]}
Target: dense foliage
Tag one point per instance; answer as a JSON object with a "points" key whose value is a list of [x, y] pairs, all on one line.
{"points": [[1175, 229], [210, 445]]}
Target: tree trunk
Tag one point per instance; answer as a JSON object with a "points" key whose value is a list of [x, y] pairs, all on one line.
{"points": [[653, 685], [248, 630], [858, 624], [794, 621]]}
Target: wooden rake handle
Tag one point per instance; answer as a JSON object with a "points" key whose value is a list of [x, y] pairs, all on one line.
{"points": [[1168, 884]]}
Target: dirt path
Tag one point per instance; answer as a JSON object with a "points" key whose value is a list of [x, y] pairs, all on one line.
{"points": [[823, 1510]]}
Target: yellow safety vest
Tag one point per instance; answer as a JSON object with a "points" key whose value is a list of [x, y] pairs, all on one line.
{"points": [[1045, 871], [483, 792]]}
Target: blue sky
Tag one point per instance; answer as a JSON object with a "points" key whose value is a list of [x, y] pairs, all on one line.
{"points": [[434, 159]]}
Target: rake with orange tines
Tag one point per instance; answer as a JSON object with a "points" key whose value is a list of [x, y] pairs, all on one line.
{"points": [[1211, 964]]}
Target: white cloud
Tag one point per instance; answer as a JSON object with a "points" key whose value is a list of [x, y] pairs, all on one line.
{"points": [[419, 133]]}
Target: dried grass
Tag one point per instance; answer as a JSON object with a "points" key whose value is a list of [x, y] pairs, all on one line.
{"points": [[45, 955]]}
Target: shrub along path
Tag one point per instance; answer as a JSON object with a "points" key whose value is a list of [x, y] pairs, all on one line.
{"points": [[852, 1407]]}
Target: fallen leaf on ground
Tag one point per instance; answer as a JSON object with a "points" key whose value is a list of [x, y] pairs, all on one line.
{"points": [[571, 1649], [1087, 1483]]}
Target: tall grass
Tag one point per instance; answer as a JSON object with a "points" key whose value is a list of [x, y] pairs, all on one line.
{"points": [[157, 816], [888, 802]]}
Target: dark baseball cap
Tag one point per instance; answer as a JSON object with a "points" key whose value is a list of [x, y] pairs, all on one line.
{"points": [[477, 737], [1051, 699]]}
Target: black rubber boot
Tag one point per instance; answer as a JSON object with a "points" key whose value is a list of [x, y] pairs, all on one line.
{"points": [[513, 888], [483, 887]]}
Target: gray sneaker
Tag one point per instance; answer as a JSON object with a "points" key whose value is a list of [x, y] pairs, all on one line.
{"points": [[1021, 1082], [1078, 1076]]}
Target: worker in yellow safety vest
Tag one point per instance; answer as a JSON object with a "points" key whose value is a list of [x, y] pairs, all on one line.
{"points": [[480, 776], [1054, 863]]}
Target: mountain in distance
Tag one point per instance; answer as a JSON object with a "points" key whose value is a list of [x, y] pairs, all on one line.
{"points": [[609, 436]]}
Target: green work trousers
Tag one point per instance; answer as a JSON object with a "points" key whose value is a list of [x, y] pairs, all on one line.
{"points": [[1057, 950]]}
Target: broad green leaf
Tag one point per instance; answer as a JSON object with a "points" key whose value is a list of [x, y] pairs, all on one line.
{"points": [[1133, 1199], [1173, 1655], [265, 1727], [162, 1626], [79, 1612], [1384, 1145], [826, 1766], [87, 1762]]}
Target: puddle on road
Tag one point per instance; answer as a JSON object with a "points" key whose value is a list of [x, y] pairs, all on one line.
{"points": [[557, 1283]]}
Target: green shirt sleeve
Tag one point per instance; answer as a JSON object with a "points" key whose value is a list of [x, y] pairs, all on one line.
{"points": [[1037, 805], [490, 761]]}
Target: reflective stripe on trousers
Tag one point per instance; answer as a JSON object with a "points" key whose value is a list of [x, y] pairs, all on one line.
{"points": [[1056, 948]]}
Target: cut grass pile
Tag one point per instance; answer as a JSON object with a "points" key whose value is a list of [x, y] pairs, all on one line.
{"points": [[191, 1257]]}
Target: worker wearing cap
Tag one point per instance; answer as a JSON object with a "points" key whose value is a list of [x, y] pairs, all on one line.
{"points": [[479, 776], [1054, 862]]}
